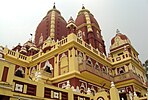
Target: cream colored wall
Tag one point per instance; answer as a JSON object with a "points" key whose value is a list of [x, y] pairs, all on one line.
{"points": [[1, 69], [10, 70], [5, 91]]}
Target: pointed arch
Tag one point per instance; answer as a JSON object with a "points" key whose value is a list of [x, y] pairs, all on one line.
{"points": [[89, 62], [97, 66], [48, 67], [19, 72]]}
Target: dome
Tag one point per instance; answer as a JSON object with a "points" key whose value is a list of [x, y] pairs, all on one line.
{"points": [[119, 40], [52, 25], [86, 23], [84, 16], [119, 36]]}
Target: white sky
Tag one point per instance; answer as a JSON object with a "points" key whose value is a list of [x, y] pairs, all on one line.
{"points": [[19, 18]]}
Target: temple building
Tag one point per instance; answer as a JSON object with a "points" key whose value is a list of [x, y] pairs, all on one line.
{"points": [[68, 61]]}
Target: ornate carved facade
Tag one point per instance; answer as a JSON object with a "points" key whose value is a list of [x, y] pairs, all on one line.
{"points": [[70, 55]]}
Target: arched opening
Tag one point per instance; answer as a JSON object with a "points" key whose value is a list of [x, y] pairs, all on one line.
{"points": [[19, 72], [97, 67], [123, 96], [93, 92], [47, 69], [104, 69], [121, 70], [82, 90], [89, 62]]}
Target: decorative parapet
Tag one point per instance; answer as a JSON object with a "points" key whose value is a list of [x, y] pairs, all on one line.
{"points": [[16, 55], [124, 57], [127, 76], [71, 38], [85, 67], [120, 58]]}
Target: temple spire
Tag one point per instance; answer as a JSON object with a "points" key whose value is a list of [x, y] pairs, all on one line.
{"points": [[54, 7], [117, 31], [83, 6]]}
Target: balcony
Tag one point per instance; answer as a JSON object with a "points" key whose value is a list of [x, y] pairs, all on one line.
{"points": [[127, 76], [84, 67], [124, 57], [121, 57], [46, 75]]}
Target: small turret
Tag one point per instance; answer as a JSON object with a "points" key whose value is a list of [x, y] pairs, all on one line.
{"points": [[71, 26]]}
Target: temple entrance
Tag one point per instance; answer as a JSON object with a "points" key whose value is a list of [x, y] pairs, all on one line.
{"points": [[2, 97], [123, 96]]}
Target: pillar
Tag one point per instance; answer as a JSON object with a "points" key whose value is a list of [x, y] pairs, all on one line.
{"points": [[73, 62], [114, 94], [40, 90], [135, 96]]}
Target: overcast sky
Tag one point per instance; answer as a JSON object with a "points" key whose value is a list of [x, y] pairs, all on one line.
{"points": [[19, 18]]}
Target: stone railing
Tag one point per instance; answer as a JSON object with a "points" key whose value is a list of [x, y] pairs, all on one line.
{"points": [[15, 54], [124, 57], [127, 76], [56, 45], [120, 58], [86, 67], [73, 38]]}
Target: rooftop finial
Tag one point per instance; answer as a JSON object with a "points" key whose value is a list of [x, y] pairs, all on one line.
{"points": [[83, 6], [31, 37], [71, 18], [117, 31], [54, 7]]}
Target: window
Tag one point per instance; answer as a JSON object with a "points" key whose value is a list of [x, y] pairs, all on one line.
{"points": [[112, 60], [48, 67], [5, 73], [104, 69], [89, 62], [80, 57], [97, 66], [133, 69], [19, 72], [120, 54], [63, 86], [82, 88], [93, 92], [121, 70]]}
